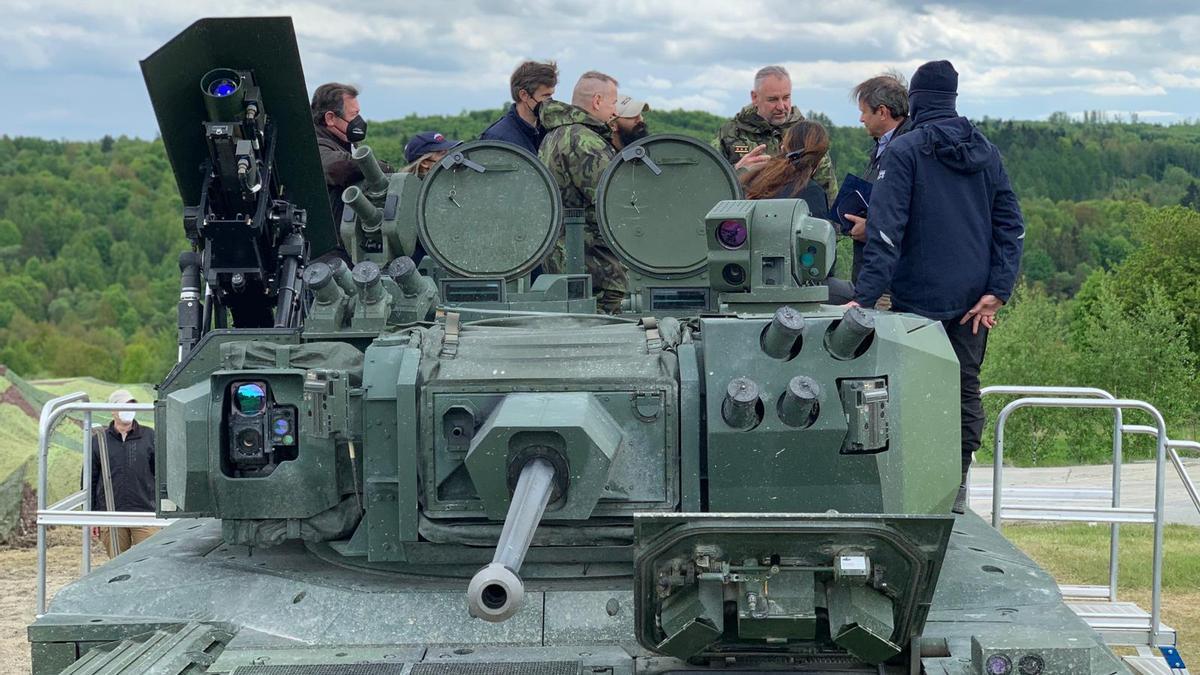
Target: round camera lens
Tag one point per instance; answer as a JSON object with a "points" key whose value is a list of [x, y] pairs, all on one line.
{"points": [[249, 439], [222, 87], [250, 399], [998, 664], [732, 234], [733, 275], [1031, 665], [280, 427]]}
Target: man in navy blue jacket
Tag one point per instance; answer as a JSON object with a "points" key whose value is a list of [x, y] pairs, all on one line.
{"points": [[945, 233], [532, 83]]}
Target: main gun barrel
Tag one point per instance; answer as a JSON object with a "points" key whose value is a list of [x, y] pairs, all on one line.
{"points": [[496, 592]]}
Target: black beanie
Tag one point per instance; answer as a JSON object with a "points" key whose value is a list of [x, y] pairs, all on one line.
{"points": [[936, 76]]}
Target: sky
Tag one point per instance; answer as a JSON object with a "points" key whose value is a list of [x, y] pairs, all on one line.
{"points": [[70, 67]]}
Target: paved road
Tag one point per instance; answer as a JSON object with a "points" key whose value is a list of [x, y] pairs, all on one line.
{"points": [[1137, 485]]}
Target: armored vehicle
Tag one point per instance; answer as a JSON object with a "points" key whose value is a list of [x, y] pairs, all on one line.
{"points": [[376, 473]]}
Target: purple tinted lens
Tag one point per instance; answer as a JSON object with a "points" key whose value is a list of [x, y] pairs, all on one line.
{"points": [[998, 664], [731, 233]]}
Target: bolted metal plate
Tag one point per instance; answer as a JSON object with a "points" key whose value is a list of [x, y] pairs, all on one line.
{"points": [[489, 209], [652, 200], [499, 668]]}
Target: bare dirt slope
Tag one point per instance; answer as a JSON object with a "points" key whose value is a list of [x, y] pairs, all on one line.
{"points": [[18, 579]]}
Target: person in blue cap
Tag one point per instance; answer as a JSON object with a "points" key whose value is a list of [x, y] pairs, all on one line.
{"points": [[426, 149], [944, 233]]}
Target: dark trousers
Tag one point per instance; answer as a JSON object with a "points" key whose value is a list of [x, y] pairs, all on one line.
{"points": [[969, 349]]}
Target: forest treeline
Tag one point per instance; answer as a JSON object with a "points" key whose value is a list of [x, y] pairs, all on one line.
{"points": [[90, 233]]}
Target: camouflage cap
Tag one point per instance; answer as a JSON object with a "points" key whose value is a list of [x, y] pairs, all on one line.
{"points": [[628, 106]]}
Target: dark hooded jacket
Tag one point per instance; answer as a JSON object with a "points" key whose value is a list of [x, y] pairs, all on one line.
{"points": [[512, 129], [945, 227]]}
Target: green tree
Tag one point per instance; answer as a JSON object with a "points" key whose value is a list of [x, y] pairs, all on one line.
{"points": [[1169, 261], [1029, 346]]}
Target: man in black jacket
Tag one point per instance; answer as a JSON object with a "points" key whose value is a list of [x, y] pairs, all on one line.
{"points": [[338, 121], [129, 458], [531, 85], [883, 110], [945, 233]]}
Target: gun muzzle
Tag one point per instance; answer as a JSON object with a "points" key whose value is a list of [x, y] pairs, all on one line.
{"points": [[369, 217], [375, 183], [496, 591], [850, 334]]}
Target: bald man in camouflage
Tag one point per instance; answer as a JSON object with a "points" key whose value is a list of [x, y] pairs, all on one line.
{"points": [[576, 149], [765, 121]]}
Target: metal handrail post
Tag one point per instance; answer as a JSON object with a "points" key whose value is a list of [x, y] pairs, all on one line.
{"points": [[1176, 460], [85, 563], [51, 412], [1188, 485], [1114, 532], [1159, 482], [45, 425]]}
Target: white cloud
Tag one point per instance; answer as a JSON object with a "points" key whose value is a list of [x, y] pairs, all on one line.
{"points": [[708, 102], [650, 82], [431, 56]]}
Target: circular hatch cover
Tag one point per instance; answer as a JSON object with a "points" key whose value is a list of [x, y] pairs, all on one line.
{"points": [[488, 209], [652, 199]]}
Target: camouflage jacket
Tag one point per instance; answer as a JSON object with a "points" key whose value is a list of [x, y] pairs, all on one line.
{"points": [[576, 150], [748, 129]]}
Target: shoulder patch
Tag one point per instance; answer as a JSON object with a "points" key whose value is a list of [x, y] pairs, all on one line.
{"points": [[741, 148]]}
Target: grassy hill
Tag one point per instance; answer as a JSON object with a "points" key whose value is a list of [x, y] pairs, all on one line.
{"points": [[21, 403]]}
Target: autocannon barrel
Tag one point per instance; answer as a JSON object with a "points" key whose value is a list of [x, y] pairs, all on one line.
{"points": [[370, 216], [495, 592], [375, 183]]}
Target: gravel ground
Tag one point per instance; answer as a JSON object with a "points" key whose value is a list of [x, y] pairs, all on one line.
{"points": [[18, 593]]}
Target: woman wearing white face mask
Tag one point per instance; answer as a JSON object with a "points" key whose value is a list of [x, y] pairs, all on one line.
{"points": [[124, 451]]}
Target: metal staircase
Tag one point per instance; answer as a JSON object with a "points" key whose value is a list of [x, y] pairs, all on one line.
{"points": [[1119, 623]]}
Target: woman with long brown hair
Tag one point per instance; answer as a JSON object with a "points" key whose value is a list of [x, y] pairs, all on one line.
{"points": [[789, 176]]}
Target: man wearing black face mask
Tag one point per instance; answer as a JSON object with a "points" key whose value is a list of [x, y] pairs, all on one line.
{"points": [[628, 125], [531, 84], [339, 126]]}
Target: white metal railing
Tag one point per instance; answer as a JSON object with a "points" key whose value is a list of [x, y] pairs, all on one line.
{"points": [[76, 509], [1117, 459], [1089, 504]]}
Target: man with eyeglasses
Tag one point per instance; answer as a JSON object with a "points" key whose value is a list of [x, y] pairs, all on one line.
{"points": [[883, 110], [531, 85]]}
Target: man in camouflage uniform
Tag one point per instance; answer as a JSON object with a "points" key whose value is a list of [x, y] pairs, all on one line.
{"points": [[576, 149], [765, 121]]}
